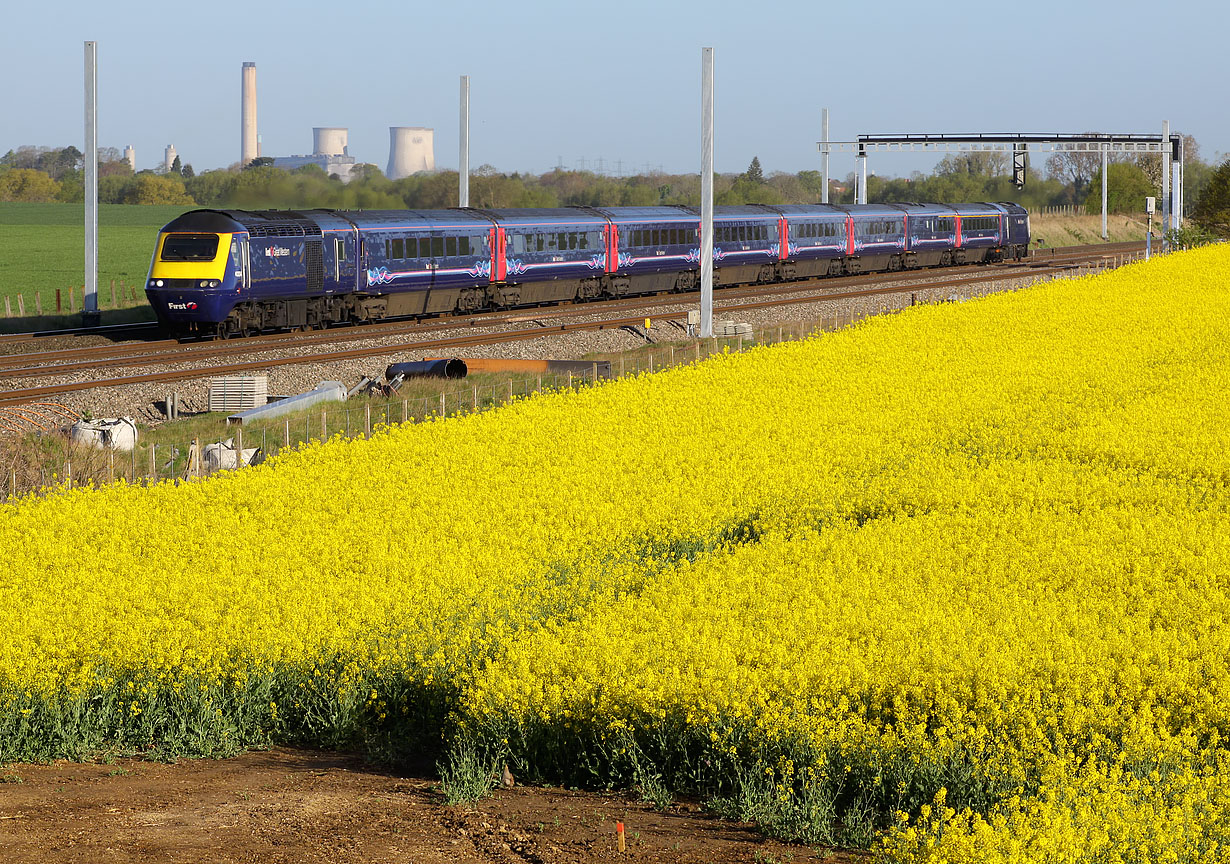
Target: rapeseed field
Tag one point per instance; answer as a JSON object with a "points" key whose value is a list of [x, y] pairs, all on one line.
{"points": [[952, 585]]}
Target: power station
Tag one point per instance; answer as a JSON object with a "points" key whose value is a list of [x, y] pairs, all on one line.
{"points": [[411, 148], [330, 151]]}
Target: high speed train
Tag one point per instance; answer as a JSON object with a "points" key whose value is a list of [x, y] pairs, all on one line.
{"points": [[229, 272]]}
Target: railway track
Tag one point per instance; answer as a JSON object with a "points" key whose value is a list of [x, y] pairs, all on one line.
{"points": [[743, 299], [64, 361], [140, 330]]}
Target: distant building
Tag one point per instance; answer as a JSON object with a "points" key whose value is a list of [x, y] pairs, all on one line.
{"points": [[168, 157], [130, 156], [342, 166], [330, 150]]}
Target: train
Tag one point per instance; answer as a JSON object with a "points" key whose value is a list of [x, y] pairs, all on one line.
{"points": [[225, 273]]}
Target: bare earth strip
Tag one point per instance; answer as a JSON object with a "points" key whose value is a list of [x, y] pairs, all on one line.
{"points": [[306, 806]]}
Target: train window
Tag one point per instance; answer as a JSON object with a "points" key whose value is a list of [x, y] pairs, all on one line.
{"points": [[398, 249], [450, 247], [518, 244], [190, 247], [463, 246], [540, 242], [572, 239], [437, 247], [341, 248]]}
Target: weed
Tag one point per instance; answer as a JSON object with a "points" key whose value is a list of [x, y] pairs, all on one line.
{"points": [[468, 775]]}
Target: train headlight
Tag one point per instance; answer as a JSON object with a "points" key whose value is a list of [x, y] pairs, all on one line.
{"points": [[204, 283], [214, 283], [159, 283]]}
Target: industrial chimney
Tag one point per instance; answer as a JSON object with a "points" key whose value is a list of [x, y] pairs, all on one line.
{"points": [[248, 147], [329, 141], [130, 156], [411, 149], [168, 157]]}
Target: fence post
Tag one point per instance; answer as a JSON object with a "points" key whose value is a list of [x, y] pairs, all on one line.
{"points": [[8, 310], [510, 390], [21, 305], [153, 461], [324, 426], [441, 403], [367, 421]]}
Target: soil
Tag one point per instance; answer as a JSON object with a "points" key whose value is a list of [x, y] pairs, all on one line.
{"points": [[286, 805]]}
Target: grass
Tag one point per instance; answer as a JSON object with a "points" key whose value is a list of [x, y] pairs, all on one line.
{"points": [[1063, 230], [42, 250]]}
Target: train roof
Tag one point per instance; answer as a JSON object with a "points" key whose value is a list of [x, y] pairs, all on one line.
{"points": [[391, 219], [546, 216], [668, 213], [211, 221]]}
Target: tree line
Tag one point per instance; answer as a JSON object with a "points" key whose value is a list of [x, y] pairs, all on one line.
{"points": [[50, 174]]}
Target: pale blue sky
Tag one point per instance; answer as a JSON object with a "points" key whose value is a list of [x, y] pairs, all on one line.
{"points": [[618, 81]]}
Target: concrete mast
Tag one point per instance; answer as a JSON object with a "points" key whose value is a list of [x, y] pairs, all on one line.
{"points": [[824, 155], [248, 147], [463, 167], [89, 305], [706, 193]]}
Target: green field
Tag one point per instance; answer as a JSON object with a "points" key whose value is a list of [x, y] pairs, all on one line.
{"points": [[42, 248]]}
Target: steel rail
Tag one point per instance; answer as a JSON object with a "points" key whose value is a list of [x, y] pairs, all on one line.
{"points": [[25, 365], [1049, 254], [18, 397]]}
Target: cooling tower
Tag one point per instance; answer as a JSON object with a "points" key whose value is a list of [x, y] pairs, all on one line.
{"points": [[168, 157], [248, 148], [130, 156], [329, 141], [411, 149]]}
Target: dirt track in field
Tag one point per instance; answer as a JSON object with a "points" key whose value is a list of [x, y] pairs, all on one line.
{"points": [[305, 806]]}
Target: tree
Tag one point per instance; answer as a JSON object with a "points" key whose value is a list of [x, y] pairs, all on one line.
{"points": [[1126, 189], [151, 189], [974, 163], [1075, 168], [177, 167], [26, 184], [1212, 210], [259, 162], [754, 171]]}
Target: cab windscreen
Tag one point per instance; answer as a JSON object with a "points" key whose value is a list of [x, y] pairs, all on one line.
{"points": [[190, 247]]}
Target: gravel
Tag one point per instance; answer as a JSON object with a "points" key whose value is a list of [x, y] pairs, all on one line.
{"points": [[143, 401]]}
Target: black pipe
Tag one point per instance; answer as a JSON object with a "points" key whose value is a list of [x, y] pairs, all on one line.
{"points": [[427, 369]]}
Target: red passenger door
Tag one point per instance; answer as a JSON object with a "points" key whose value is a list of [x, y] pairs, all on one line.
{"points": [[499, 260], [612, 247]]}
